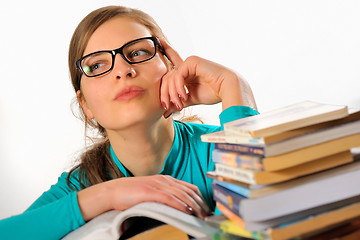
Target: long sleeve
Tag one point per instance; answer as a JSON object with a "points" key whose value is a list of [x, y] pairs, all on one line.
{"points": [[53, 215], [236, 112]]}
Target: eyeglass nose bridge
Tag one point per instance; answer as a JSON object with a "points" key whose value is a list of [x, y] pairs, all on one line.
{"points": [[119, 51]]}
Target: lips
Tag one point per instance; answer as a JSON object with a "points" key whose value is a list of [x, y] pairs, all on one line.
{"points": [[129, 93]]}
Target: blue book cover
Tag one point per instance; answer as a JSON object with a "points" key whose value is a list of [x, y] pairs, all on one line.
{"points": [[233, 187], [228, 198]]}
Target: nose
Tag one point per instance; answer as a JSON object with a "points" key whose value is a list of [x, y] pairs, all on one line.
{"points": [[122, 69]]}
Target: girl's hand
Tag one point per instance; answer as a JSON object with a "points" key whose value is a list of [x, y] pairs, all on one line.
{"points": [[123, 193], [200, 81]]}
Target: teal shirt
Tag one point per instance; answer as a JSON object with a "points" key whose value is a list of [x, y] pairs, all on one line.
{"points": [[56, 212]]}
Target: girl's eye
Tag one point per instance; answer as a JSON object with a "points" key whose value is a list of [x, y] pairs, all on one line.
{"points": [[139, 55], [94, 68], [97, 63]]}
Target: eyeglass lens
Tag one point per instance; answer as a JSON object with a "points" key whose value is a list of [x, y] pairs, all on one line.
{"points": [[133, 52]]}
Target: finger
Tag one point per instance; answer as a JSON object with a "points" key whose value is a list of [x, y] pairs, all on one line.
{"points": [[194, 192], [154, 194], [173, 92], [184, 194], [172, 109], [165, 184], [181, 88], [192, 199], [150, 189], [199, 198], [166, 103], [164, 93], [172, 55]]}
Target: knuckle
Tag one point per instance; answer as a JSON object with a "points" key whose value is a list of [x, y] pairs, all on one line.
{"points": [[195, 188], [193, 58], [162, 177], [184, 196], [168, 198], [174, 97]]}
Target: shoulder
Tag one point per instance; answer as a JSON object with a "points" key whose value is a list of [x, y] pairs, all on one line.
{"points": [[229, 114], [194, 129], [236, 112]]}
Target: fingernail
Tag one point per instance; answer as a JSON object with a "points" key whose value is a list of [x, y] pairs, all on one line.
{"points": [[168, 116], [164, 106], [186, 89], [182, 98], [178, 107], [190, 210]]}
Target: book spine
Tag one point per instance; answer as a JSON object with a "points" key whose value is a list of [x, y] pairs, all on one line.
{"points": [[230, 214], [228, 226], [238, 174], [222, 137], [241, 149], [213, 138], [227, 198], [233, 187], [239, 222], [236, 130], [237, 160]]}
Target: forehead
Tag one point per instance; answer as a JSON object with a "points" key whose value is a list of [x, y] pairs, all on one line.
{"points": [[114, 33]]}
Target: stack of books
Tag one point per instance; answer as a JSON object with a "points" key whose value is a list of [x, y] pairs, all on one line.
{"points": [[290, 172]]}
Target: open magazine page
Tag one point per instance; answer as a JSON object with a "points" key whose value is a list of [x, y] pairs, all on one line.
{"points": [[110, 225]]}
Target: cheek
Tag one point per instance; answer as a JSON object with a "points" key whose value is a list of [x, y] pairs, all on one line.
{"points": [[94, 96], [159, 70], [155, 73]]}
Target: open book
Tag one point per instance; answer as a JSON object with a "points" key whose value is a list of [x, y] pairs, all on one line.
{"points": [[114, 224]]}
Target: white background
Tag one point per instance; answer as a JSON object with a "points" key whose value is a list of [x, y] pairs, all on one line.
{"points": [[289, 51]]}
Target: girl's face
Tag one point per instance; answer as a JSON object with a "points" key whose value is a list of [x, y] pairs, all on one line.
{"points": [[128, 94]]}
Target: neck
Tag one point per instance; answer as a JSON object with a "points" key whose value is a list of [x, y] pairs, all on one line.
{"points": [[143, 148]]}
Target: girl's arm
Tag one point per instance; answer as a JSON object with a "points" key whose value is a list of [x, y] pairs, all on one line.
{"points": [[61, 210], [51, 216], [123, 193]]}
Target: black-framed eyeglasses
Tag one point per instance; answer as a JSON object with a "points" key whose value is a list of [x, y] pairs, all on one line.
{"points": [[136, 51]]}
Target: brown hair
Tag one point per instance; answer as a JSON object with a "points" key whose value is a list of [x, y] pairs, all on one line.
{"points": [[96, 165]]}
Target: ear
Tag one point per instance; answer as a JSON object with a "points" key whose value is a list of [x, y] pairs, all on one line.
{"points": [[83, 105]]}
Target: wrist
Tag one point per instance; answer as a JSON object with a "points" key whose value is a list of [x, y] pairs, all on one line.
{"points": [[95, 200], [235, 91], [230, 91]]}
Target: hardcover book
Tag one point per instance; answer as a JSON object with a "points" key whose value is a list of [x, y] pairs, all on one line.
{"points": [[354, 115], [287, 220], [233, 159], [294, 158], [308, 192], [286, 118], [309, 138], [264, 177], [305, 224]]}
